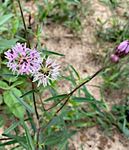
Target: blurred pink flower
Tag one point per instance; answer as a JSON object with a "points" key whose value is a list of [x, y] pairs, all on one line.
{"points": [[114, 58], [22, 60], [49, 71]]}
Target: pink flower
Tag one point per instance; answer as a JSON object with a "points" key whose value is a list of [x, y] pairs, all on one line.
{"points": [[22, 60], [122, 48], [120, 51], [49, 71]]}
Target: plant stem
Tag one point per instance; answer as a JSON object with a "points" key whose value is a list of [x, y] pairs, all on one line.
{"points": [[26, 34], [74, 90], [19, 3], [34, 100], [36, 111]]}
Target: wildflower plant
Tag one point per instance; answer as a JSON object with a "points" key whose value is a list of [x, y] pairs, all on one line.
{"points": [[40, 113]]}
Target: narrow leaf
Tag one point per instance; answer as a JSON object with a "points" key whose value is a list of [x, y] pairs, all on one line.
{"points": [[58, 97], [5, 18]]}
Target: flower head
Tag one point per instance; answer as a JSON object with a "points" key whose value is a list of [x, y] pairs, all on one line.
{"points": [[49, 71], [120, 51], [22, 60]]}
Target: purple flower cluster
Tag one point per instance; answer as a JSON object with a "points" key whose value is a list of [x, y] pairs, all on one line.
{"points": [[120, 51], [23, 60]]}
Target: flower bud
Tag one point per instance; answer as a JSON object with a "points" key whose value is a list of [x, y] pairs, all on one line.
{"points": [[120, 51], [114, 58]]}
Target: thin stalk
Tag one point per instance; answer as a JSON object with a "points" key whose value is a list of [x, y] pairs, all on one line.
{"points": [[74, 90], [34, 100], [26, 34], [19, 3], [36, 111]]}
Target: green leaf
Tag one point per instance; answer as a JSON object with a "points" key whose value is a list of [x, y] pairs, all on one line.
{"points": [[74, 1], [5, 18], [86, 92], [16, 84], [76, 73], [83, 124], [83, 99], [6, 44], [18, 139], [7, 75], [23, 103], [27, 93], [2, 121], [11, 101], [1, 99], [123, 128], [58, 138], [8, 143], [4, 85], [58, 97], [28, 137], [12, 127], [51, 53]]}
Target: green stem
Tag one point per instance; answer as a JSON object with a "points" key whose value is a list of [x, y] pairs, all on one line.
{"points": [[26, 33], [36, 111], [19, 3]]}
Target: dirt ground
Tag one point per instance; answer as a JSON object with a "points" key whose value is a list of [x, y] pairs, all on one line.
{"points": [[80, 53]]}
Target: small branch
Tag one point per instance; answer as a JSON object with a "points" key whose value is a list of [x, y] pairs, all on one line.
{"points": [[4, 139], [26, 34], [74, 90], [90, 78], [56, 104], [37, 115]]}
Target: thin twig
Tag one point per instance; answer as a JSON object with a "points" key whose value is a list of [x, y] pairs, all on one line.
{"points": [[56, 103], [37, 115], [26, 34], [74, 90], [3, 139]]}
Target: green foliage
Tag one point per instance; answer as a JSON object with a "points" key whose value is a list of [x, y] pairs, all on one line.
{"points": [[6, 44], [111, 3], [11, 101], [67, 12], [5, 18]]}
